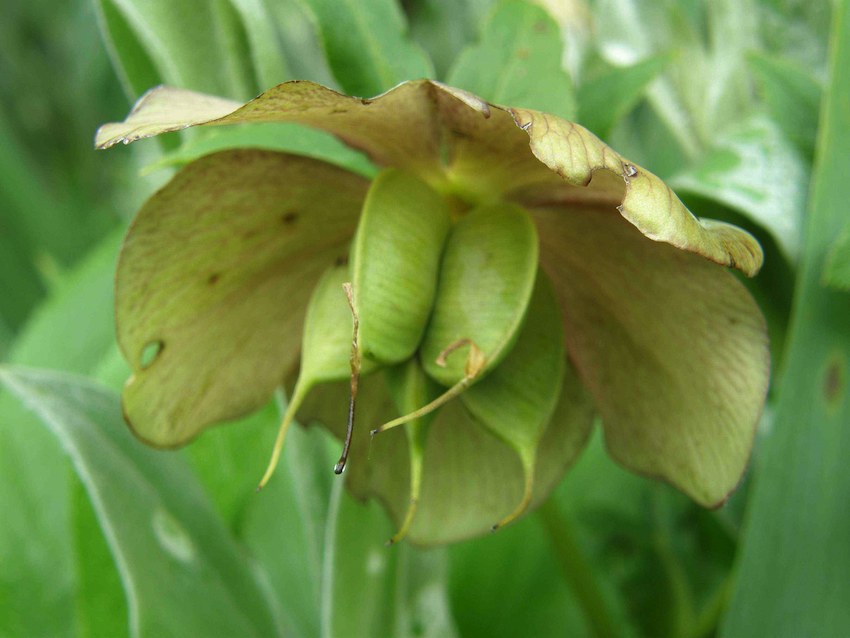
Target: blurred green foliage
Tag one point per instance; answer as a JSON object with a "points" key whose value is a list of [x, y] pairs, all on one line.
{"points": [[738, 104]]}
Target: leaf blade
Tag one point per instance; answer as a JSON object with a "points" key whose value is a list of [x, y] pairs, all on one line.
{"points": [[171, 538]]}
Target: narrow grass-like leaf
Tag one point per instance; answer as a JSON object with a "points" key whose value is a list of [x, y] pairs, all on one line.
{"points": [[422, 606], [181, 570], [357, 570], [793, 581], [264, 39], [101, 605], [284, 525], [71, 331], [793, 96], [837, 268], [205, 57]]}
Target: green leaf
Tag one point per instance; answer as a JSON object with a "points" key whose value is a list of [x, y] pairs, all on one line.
{"points": [[132, 62], [443, 29], [370, 590], [708, 86], [367, 45], [518, 61], [792, 95], [301, 42], [491, 578], [267, 54], [672, 347], [395, 263], [284, 525], [792, 581], [837, 268], [198, 305], [422, 606], [608, 97], [101, 604], [356, 583], [486, 281], [755, 170], [71, 330], [180, 568], [191, 45]]}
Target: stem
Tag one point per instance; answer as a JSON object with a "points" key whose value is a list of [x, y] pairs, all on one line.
{"points": [[683, 613], [578, 572], [709, 618]]}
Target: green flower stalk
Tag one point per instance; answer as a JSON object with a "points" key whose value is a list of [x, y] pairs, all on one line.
{"points": [[504, 279]]}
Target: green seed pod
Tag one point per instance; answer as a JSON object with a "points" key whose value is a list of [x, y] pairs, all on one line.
{"points": [[486, 278], [517, 399], [395, 261], [325, 348], [410, 388]]}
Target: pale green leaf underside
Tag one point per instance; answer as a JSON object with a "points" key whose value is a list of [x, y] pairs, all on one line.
{"points": [[175, 532], [420, 123]]}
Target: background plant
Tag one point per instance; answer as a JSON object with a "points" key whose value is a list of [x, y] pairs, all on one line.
{"points": [[741, 106]]}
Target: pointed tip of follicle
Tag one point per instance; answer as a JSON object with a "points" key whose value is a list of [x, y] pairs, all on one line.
{"points": [[521, 508]]}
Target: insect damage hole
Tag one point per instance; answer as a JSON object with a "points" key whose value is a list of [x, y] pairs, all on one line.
{"points": [[150, 353]]}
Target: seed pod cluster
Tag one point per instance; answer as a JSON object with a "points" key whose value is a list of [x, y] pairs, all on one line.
{"points": [[450, 305]]}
